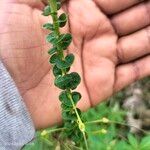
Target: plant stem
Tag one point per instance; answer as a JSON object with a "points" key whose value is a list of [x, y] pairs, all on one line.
{"points": [[85, 140], [54, 15], [123, 124], [53, 6], [80, 123], [55, 130]]}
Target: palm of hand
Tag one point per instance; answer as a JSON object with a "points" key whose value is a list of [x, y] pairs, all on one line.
{"points": [[24, 53]]}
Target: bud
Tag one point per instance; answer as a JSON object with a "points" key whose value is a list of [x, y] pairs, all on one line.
{"points": [[105, 120], [44, 132]]}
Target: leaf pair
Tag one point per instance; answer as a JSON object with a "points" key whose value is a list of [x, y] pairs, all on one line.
{"points": [[68, 81], [47, 10], [65, 99], [62, 20], [62, 64], [63, 41]]}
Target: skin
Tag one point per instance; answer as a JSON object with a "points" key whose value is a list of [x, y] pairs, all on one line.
{"points": [[111, 43]]}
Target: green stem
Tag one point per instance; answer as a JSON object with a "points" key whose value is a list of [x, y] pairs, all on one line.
{"points": [[85, 140], [123, 124], [54, 15], [55, 130], [53, 6], [80, 123]]}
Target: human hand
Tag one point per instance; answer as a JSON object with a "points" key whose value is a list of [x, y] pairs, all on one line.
{"points": [[112, 50]]}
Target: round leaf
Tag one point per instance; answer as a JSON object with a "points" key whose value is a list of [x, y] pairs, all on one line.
{"points": [[48, 26], [62, 20], [51, 38], [53, 58], [70, 59], [52, 50], [46, 11], [76, 96], [68, 81], [63, 97], [67, 115], [64, 64], [65, 107], [65, 40], [58, 5], [56, 71]]}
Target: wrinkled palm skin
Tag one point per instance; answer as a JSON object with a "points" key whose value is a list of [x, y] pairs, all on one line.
{"points": [[23, 50]]}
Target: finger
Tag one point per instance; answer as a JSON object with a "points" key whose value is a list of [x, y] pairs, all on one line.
{"points": [[32, 3], [114, 6], [132, 19], [134, 46], [129, 73]]}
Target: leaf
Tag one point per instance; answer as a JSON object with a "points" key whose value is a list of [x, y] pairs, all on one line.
{"points": [[64, 64], [65, 107], [51, 38], [76, 96], [67, 115], [62, 20], [56, 71], [48, 26], [65, 40], [46, 11], [52, 50], [133, 141], [63, 97], [68, 81], [53, 59], [67, 69], [77, 136], [70, 124], [122, 145], [145, 143], [58, 5], [70, 59]]}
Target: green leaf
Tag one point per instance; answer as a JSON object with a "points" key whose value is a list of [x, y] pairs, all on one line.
{"points": [[65, 40], [133, 141], [70, 124], [53, 59], [47, 11], [77, 136], [67, 115], [56, 71], [62, 20], [145, 143], [64, 64], [63, 97], [65, 107], [58, 5], [70, 59], [52, 50], [76, 96], [51, 38], [68, 81], [48, 26], [67, 69]]}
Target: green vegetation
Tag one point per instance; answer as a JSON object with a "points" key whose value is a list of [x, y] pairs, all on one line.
{"points": [[111, 135]]}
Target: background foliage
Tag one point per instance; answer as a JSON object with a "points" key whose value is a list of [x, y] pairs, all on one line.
{"points": [[118, 137]]}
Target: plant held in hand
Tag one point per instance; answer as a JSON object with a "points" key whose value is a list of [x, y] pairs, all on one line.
{"points": [[65, 80]]}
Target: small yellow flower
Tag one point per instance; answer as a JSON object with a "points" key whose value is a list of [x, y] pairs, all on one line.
{"points": [[103, 131], [44, 132], [105, 120]]}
